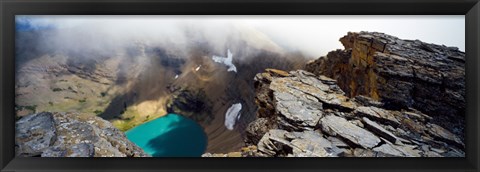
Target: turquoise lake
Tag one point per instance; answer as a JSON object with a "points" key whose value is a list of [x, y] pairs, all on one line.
{"points": [[170, 136]]}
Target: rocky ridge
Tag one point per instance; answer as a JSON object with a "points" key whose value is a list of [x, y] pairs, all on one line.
{"points": [[401, 74], [380, 97], [304, 115], [48, 134]]}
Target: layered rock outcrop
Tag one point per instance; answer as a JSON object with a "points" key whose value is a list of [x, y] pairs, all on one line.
{"points": [[400, 74], [48, 134], [302, 114], [379, 97]]}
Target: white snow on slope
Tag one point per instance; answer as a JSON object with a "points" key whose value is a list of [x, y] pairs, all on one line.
{"points": [[232, 115], [198, 68], [228, 61]]}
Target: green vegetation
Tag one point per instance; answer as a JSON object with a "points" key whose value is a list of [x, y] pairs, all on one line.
{"points": [[83, 100], [123, 125], [131, 118], [103, 94], [50, 103], [30, 108]]}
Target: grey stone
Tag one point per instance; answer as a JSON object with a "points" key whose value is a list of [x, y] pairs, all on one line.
{"points": [[54, 152], [444, 134], [378, 114], [380, 131], [299, 144], [341, 127], [71, 135], [388, 149], [81, 150], [34, 134]]}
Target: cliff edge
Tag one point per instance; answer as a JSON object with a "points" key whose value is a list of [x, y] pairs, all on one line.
{"points": [[379, 97], [401, 74]]}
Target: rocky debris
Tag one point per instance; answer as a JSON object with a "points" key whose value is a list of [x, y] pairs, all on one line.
{"points": [[296, 144], [400, 74], [358, 152], [379, 130], [249, 151], [443, 134], [301, 114], [388, 149], [256, 129], [378, 114], [298, 99], [55, 134]]}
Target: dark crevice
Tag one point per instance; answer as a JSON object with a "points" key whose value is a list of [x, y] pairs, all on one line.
{"points": [[379, 120], [382, 142], [336, 107]]}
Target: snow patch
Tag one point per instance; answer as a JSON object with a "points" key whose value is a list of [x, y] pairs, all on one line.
{"points": [[176, 76], [228, 61], [198, 68], [232, 115]]}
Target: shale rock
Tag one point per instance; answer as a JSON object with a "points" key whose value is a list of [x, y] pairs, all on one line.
{"points": [[301, 114], [296, 144], [339, 126], [379, 130], [400, 74], [71, 135], [380, 97]]}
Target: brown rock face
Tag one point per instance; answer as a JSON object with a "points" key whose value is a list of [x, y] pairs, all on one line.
{"points": [[400, 74]]}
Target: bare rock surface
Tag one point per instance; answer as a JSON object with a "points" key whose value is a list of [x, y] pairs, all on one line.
{"points": [[55, 134], [335, 125], [302, 115], [379, 97], [296, 144], [35, 133], [379, 130], [400, 74]]}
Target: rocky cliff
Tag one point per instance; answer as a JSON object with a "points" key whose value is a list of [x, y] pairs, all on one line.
{"points": [[301, 114], [401, 74], [380, 97], [48, 134]]}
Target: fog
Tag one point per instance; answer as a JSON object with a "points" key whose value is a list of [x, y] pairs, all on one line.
{"points": [[313, 36]]}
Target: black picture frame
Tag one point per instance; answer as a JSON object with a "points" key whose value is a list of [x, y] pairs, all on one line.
{"points": [[10, 8]]}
